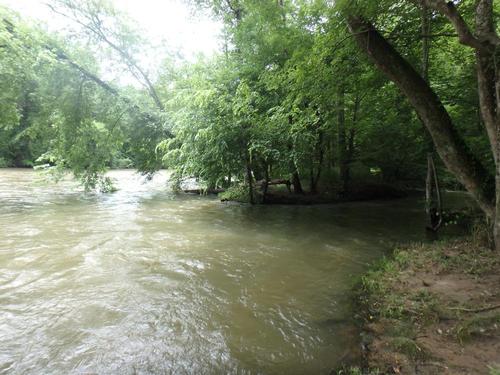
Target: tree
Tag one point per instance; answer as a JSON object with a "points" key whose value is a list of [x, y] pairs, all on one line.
{"points": [[450, 146], [60, 112], [101, 21]]}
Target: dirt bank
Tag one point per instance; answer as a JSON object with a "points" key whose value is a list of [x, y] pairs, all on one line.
{"points": [[433, 309]]}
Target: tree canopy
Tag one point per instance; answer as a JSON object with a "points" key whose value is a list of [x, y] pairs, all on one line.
{"points": [[326, 95]]}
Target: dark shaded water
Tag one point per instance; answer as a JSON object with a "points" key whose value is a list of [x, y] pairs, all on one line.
{"points": [[144, 281]]}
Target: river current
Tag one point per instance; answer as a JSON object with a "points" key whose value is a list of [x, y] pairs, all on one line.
{"points": [[145, 281]]}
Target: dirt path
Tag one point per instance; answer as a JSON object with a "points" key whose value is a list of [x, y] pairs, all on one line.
{"points": [[434, 309]]}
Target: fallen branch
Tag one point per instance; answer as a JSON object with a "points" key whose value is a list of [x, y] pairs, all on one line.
{"points": [[203, 191], [494, 307]]}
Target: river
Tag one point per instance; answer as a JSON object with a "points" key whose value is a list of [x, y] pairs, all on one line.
{"points": [[144, 281]]}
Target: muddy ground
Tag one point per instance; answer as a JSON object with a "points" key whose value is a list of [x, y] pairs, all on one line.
{"points": [[433, 309]]}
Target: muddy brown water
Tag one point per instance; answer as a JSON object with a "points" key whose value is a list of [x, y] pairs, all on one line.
{"points": [[145, 281]]}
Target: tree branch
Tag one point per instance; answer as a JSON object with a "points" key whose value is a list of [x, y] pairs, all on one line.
{"points": [[96, 28], [449, 144], [482, 309], [132, 107], [465, 35]]}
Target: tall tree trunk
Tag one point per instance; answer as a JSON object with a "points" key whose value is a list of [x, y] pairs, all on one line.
{"points": [[297, 185], [488, 79], [433, 205], [265, 184], [428, 106], [331, 153], [342, 144], [312, 182], [352, 131], [318, 154], [321, 154], [249, 178], [433, 196], [350, 146], [486, 43]]}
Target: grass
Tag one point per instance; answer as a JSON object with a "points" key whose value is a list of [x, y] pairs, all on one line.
{"points": [[383, 300], [469, 258], [409, 347], [359, 371], [401, 299], [476, 325]]}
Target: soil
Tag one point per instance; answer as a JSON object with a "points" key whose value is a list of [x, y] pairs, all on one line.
{"points": [[435, 309]]}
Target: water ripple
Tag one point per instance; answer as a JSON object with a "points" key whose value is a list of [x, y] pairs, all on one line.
{"points": [[144, 281]]}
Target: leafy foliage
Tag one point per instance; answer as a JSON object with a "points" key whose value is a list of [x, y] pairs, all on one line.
{"points": [[290, 97]]}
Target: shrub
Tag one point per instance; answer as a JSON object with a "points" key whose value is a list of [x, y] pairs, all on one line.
{"points": [[236, 193], [4, 163]]}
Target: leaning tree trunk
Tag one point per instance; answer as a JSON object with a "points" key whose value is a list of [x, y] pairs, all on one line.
{"points": [[428, 106], [486, 43]]}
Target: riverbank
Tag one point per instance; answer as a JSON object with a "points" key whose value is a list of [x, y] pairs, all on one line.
{"points": [[432, 309], [359, 193], [282, 196]]}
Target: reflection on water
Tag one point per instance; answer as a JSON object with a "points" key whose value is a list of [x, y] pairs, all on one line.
{"points": [[145, 281]]}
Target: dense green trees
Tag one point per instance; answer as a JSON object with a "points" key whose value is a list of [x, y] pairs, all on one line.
{"points": [[484, 42], [292, 96], [317, 111], [58, 113]]}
